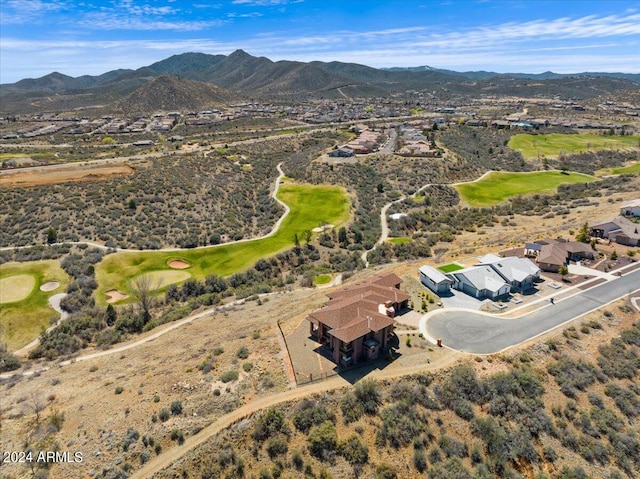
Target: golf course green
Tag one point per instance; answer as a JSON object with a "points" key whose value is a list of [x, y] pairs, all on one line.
{"points": [[622, 170], [24, 307], [497, 187], [551, 145], [311, 206]]}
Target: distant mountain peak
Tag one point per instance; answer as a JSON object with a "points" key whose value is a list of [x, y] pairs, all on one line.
{"points": [[239, 53]]}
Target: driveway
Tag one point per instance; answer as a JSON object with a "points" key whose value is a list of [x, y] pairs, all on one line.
{"points": [[584, 271], [461, 300], [481, 333]]}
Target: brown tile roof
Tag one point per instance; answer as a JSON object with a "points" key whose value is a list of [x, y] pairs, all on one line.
{"points": [[390, 279], [552, 254], [354, 311], [373, 291]]}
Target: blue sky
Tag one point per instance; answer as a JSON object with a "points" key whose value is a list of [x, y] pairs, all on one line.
{"points": [[80, 37]]}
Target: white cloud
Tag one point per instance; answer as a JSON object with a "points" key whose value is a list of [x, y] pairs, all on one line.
{"points": [[18, 12]]}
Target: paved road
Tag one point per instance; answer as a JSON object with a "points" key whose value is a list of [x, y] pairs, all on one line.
{"points": [[481, 333]]}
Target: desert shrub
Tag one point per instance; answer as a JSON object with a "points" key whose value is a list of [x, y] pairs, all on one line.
{"points": [[385, 471], [625, 400], [354, 451], [164, 415], [493, 435], [605, 420], [176, 408], [476, 454], [56, 420], [229, 376], [461, 383], [270, 424], [572, 473], [434, 455], [243, 352], [247, 367], [119, 390], [631, 336], [8, 361], [401, 424], [130, 437], [351, 408], [296, 459], [323, 440], [277, 445], [618, 361], [451, 468], [367, 391], [419, 460], [178, 436], [572, 375], [452, 447], [463, 408], [311, 413]]}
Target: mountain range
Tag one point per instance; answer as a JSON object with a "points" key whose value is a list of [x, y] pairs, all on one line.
{"points": [[203, 79]]}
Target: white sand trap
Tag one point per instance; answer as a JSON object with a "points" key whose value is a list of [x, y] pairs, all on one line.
{"points": [[179, 264], [50, 286], [322, 228], [16, 288], [115, 295]]}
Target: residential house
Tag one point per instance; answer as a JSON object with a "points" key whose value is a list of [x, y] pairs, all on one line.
{"points": [[532, 250], [435, 280], [480, 282], [631, 209], [520, 273], [343, 152], [556, 253], [357, 322], [619, 230]]}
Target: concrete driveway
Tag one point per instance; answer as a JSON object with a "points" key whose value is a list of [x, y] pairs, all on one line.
{"points": [[482, 333]]}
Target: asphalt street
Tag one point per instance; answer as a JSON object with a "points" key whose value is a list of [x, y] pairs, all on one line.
{"points": [[479, 333]]}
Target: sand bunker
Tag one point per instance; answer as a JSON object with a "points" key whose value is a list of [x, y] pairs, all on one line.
{"points": [[50, 286], [115, 295], [179, 264], [16, 288]]}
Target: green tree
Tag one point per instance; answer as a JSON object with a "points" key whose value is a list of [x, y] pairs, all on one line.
{"points": [[563, 271], [112, 315], [142, 289], [343, 239], [583, 233], [614, 255], [52, 236], [296, 241], [306, 235]]}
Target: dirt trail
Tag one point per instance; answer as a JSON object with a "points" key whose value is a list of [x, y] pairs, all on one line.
{"points": [[169, 457]]}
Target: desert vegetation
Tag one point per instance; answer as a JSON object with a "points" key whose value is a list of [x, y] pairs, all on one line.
{"points": [[549, 411]]}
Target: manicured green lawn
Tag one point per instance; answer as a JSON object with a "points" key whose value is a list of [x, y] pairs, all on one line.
{"points": [[551, 145], [310, 206], [21, 321], [498, 186], [322, 279], [623, 170], [400, 240], [450, 267]]}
